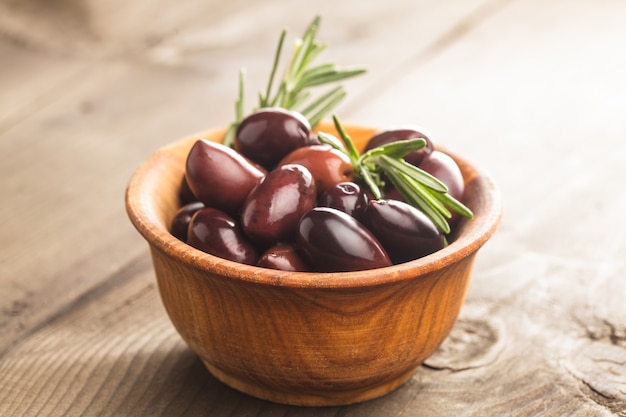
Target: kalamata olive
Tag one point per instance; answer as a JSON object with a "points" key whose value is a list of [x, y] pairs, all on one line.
{"points": [[403, 133], [313, 139], [443, 167], [404, 231], [332, 240], [269, 134], [345, 196], [185, 194], [392, 193], [272, 210], [180, 222], [219, 176], [329, 166], [217, 233], [285, 257]]}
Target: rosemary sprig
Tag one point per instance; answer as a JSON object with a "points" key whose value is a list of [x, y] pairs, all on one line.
{"points": [[294, 89], [229, 138], [417, 187]]}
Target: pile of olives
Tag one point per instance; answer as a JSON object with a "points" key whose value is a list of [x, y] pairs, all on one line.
{"points": [[281, 199]]}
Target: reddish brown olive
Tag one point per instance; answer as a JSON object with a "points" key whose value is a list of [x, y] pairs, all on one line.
{"points": [[285, 257], [403, 133], [404, 231], [332, 240], [272, 210], [329, 166], [180, 222], [219, 176], [269, 134], [217, 233]]}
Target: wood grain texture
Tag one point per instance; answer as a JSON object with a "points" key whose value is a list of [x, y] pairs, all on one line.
{"points": [[531, 90]]}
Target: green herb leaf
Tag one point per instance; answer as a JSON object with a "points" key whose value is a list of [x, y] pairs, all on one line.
{"points": [[454, 204], [416, 173], [352, 152], [398, 149], [331, 140], [316, 111], [313, 80], [229, 138], [264, 100]]}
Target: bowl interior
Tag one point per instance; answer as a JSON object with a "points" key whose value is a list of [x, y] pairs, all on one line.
{"points": [[153, 196]]}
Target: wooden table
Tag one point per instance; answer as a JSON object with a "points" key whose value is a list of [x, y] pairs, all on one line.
{"points": [[532, 91]]}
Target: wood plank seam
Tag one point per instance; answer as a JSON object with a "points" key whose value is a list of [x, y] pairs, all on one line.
{"points": [[129, 271]]}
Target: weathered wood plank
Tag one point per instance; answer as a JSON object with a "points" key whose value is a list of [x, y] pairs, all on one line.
{"points": [[30, 81]]}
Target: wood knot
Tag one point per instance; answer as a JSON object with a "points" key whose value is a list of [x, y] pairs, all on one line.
{"points": [[600, 368], [473, 343]]}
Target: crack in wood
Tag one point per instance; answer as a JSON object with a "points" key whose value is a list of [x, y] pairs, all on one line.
{"points": [[615, 406], [473, 343], [599, 366]]}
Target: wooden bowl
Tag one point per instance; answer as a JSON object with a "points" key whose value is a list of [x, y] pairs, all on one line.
{"points": [[306, 338]]}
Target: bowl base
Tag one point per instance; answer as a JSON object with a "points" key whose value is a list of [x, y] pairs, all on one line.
{"points": [[310, 399]]}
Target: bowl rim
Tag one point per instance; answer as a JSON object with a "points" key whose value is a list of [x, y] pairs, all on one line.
{"points": [[141, 211]]}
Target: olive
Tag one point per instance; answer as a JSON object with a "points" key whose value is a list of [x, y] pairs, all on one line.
{"points": [[269, 134], [285, 257], [443, 167], [404, 231], [219, 176], [272, 210], [403, 133], [185, 195], [392, 193], [329, 166], [332, 240], [313, 139], [217, 233], [345, 196], [180, 222]]}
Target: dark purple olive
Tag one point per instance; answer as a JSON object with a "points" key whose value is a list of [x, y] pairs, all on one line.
{"points": [[404, 231], [215, 232], [180, 222], [185, 194], [219, 176], [332, 240], [345, 196], [329, 166], [272, 210], [443, 167], [404, 133], [285, 257], [269, 134], [392, 193]]}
